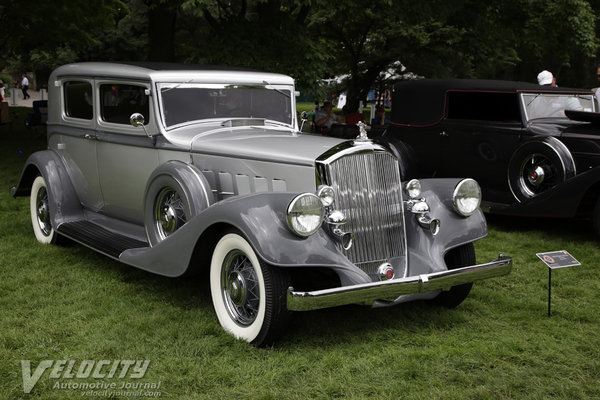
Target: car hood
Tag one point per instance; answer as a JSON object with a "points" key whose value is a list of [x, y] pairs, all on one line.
{"points": [[262, 143]]}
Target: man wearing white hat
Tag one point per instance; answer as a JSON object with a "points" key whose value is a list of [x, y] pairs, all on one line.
{"points": [[545, 78]]}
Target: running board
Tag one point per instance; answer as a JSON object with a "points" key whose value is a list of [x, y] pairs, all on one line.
{"points": [[98, 238]]}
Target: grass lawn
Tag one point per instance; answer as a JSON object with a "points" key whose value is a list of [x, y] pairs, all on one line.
{"points": [[70, 303]]}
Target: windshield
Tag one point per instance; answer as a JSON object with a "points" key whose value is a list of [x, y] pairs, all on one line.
{"points": [[546, 105], [187, 102]]}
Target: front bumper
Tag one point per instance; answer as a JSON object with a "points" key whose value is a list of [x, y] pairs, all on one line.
{"points": [[367, 293]]}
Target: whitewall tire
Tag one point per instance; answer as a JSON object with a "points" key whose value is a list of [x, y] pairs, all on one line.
{"points": [[249, 296], [40, 212]]}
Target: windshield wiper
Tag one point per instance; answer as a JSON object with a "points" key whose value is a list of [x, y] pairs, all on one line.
{"points": [[277, 90], [176, 86]]}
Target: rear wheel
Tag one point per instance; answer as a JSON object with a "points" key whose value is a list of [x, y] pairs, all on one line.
{"points": [[249, 296], [459, 257], [40, 213]]}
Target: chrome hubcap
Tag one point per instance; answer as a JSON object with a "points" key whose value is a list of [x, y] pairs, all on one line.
{"points": [[537, 174], [169, 212], [43, 214], [536, 177], [239, 285]]}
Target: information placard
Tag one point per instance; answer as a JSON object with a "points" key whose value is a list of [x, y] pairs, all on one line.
{"points": [[558, 259]]}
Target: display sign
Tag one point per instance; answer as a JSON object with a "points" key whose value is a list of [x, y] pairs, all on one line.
{"points": [[558, 259]]}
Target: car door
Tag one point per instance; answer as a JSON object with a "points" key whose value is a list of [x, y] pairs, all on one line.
{"points": [[74, 139], [479, 134], [126, 154]]}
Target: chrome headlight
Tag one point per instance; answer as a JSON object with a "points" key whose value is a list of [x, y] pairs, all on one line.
{"points": [[466, 197], [305, 214], [413, 188]]}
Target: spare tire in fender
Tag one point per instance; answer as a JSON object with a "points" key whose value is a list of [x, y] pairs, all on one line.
{"points": [[539, 165], [175, 193]]}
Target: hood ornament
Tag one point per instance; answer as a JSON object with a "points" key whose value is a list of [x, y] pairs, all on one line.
{"points": [[362, 134]]}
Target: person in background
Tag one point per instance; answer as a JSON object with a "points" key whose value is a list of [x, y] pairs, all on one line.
{"points": [[25, 87], [545, 78], [1, 90], [325, 117], [380, 118]]}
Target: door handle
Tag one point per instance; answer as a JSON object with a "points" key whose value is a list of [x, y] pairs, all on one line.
{"points": [[89, 136], [443, 134]]}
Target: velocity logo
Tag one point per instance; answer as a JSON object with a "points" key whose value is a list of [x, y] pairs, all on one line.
{"points": [[69, 369]]}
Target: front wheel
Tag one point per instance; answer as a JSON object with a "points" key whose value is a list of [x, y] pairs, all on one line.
{"points": [[459, 257], [249, 296], [39, 207]]}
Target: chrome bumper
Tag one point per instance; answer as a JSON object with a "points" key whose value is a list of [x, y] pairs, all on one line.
{"points": [[367, 293]]}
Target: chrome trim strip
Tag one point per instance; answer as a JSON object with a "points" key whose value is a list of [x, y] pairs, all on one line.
{"points": [[367, 293]]}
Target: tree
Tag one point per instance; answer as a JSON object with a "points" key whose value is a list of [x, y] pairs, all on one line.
{"points": [[268, 35], [35, 33]]}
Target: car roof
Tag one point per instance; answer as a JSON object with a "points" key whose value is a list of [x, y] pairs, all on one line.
{"points": [[158, 71], [423, 101]]}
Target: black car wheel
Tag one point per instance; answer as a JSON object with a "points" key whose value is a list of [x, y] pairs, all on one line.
{"points": [[537, 166]]}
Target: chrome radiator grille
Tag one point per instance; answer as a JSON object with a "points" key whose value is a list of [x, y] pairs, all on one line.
{"points": [[369, 193]]}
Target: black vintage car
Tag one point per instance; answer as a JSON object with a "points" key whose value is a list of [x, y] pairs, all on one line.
{"points": [[535, 150]]}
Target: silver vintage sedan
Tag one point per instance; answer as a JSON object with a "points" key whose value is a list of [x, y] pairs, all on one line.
{"points": [[178, 168]]}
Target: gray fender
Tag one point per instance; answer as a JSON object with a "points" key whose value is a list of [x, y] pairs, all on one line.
{"points": [[194, 183], [425, 251], [63, 201], [261, 218], [189, 182]]}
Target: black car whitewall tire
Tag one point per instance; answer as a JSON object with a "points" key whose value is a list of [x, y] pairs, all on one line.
{"points": [[459, 257], [249, 296], [40, 212], [539, 165]]}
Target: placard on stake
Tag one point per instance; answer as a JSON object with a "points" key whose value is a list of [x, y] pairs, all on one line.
{"points": [[555, 260]]}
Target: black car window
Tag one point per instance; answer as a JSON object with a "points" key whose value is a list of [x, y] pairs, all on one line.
{"points": [[483, 106], [119, 101], [78, 100]]}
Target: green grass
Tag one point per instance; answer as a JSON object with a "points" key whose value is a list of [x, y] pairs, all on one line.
{"points": [[71, 303]]}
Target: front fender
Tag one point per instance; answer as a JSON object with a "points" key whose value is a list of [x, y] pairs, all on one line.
{"points": [[63, 200], [261, 219], [425, 251]]}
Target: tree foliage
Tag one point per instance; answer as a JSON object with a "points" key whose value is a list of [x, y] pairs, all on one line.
{"points": [[315, 39]]}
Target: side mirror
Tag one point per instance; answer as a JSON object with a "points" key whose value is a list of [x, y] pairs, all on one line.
{"points": [[303, 118], [136, 120]]}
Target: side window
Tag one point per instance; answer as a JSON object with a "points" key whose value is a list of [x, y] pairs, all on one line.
{"points": [[78, 100], [119, 101], [484, 106]]}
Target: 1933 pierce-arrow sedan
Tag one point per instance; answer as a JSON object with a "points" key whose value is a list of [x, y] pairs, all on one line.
{"points": [[175, 168]]}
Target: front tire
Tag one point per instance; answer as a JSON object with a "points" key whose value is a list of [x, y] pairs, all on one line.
{"points": [[39, 207], [459, 257], [249, 296]]}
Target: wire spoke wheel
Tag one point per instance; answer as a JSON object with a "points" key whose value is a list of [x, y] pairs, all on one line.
{"points": [[240, 288], [39, 206], [249, 296], [169, 212]]}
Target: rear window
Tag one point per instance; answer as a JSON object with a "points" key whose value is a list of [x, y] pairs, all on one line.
{"points": [[119, 101], [78, 100], [483, 106]]}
